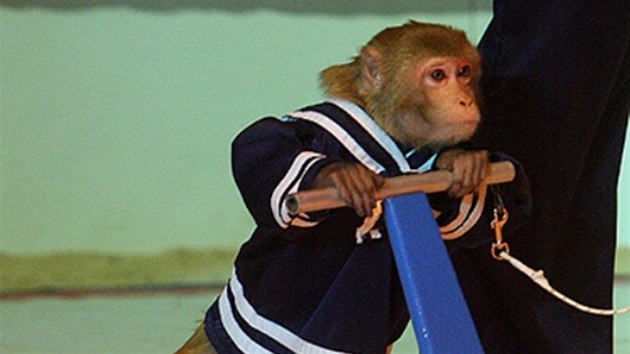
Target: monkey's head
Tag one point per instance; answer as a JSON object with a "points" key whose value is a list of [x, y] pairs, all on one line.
{"points": [[417, 81]]}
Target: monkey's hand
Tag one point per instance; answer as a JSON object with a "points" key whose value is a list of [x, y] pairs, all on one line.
{"points": [[469, 169], [355, 184]]}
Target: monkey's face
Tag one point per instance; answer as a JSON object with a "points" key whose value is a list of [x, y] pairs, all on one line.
{"points": [[418, 81], [440, 106]]}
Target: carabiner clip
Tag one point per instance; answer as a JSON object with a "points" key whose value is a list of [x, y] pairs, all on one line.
{"points": [[499, 220]]}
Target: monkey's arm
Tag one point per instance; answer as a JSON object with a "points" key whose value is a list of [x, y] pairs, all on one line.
{"points": [[515, 196], [272, 158]]}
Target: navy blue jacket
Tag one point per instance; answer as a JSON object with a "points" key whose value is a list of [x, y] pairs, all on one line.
{"points": [[301, 283]]}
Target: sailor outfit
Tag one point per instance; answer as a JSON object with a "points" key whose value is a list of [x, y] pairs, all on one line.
{"points": [[301, 283]]}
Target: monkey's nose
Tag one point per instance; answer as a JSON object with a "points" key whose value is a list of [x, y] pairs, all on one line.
{"points": [[466, 102]]}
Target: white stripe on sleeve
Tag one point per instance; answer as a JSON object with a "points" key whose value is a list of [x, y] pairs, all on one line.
{"points": [[289, 184]]}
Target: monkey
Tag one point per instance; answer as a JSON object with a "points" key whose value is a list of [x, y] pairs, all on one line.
{"points": [[412, 101], [407, 103], [430, 99]]}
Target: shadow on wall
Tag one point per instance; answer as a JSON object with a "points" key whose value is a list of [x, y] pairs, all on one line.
{"points": [[349, 7]]}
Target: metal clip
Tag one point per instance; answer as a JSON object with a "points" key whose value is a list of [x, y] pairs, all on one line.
{"points": [[499, 220]]}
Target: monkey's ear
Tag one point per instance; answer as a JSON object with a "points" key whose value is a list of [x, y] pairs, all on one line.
{"points": [[371, 77]]}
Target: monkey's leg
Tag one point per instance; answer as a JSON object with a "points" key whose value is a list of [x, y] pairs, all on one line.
{"points": [[198, 343]]}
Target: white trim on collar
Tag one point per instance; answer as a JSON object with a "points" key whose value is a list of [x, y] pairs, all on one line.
{"points": [[342, 136], [361, 117]]}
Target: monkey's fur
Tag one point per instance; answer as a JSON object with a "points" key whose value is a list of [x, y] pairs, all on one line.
{"points": [[380, 78]]}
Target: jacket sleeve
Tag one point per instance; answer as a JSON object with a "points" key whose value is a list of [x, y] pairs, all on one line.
{"points": [[465, 222], [272, 158]]}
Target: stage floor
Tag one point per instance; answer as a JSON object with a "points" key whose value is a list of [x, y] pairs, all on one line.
{"points": [[153, 323]]}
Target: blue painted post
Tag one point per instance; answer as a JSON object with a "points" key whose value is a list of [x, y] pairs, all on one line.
{"points": [[438, 310]]}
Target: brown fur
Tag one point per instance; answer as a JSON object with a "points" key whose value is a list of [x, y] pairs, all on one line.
{"points": [[397, 50]]}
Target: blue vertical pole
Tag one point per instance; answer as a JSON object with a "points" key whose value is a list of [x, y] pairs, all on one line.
{"points": [[439, 314]]}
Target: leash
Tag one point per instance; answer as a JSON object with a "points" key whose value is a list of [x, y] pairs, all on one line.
{"points": [[500, 250]]}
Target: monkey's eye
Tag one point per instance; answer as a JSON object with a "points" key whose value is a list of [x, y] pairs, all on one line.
{"points": [[438, 75], [464, 71]]}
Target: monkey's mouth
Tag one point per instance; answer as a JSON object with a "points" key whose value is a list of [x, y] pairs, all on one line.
{"points": [[464, 130], [466, 125]]}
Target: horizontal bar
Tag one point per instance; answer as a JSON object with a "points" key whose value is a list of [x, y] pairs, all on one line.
{"points": [[430, 182]]}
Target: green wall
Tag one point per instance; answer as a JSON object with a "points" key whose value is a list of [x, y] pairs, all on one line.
{"points": [[116, 120]]}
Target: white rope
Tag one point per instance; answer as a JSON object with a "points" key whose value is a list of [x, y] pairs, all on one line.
{"points": [[539, 278]]}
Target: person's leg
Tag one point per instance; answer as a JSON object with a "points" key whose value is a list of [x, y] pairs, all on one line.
{"points": [[556, 98]]}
